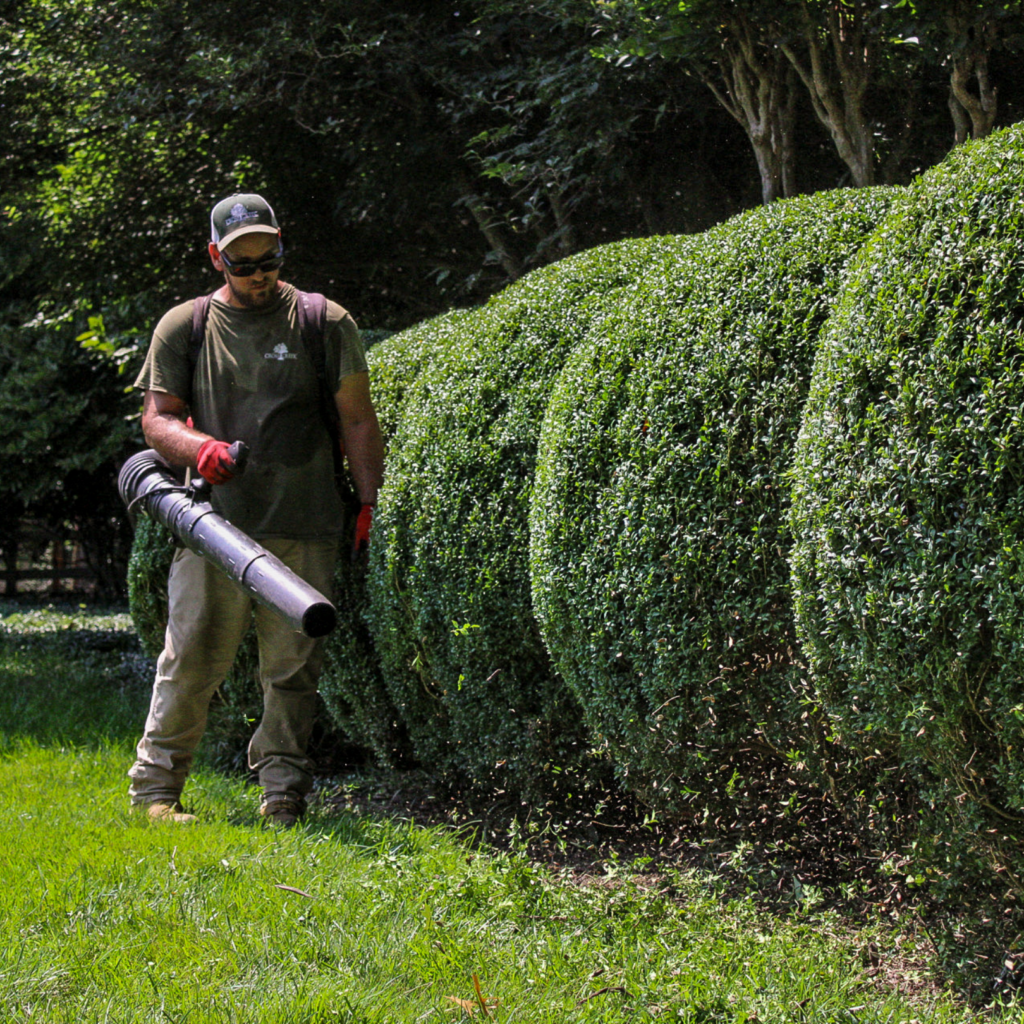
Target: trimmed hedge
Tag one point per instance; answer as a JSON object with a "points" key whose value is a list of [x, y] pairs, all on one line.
{"points": [[352, 685], [450, 590], [397, 362], [658, 523], [908, 504]]}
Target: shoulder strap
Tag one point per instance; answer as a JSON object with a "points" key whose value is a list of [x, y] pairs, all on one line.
{"points": [[200, 314], [312, 310]]}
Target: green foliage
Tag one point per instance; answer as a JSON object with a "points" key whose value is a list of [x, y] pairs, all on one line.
{"points": [[908, 498], [450, 592], [150, 562], [66, 425], [639, 30], [87, 179], [396, 363], [61, 412], [70, 675], [658, 522], [551, 130], [351, 684], [431, 144]]}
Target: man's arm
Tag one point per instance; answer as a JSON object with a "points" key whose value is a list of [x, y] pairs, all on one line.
{"points": [[165, 429], [360, 432], [163, 424]]}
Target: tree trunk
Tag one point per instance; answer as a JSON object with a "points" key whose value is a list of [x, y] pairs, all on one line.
{"points": [[837, 70], [787, 142], [491, 230], [972, 34], [769, 167], [961, 119], [754, 89], [982, 108], [58, 559]]}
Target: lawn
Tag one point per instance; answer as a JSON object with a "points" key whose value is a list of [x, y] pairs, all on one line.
{"points": [[351, 917]]}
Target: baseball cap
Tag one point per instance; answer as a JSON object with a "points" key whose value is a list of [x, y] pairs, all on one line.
{"points": [[241, 215]]}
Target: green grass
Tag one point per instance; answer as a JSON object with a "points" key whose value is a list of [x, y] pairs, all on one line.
{"points": [[105, 917]]}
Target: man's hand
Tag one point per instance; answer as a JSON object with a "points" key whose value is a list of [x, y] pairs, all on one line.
{"points": [[215, 462], [363, 524]]}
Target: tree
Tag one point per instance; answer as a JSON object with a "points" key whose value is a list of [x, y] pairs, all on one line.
{"points": [[756, 88], [556, 125], [729, 47], [835, 48], [66, 426], [961, 35]]}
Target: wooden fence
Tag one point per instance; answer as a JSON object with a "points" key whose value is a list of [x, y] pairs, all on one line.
{"points": [[56, 570]]}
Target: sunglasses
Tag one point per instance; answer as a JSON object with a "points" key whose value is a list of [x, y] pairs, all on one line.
{"points": [[265, 266]]}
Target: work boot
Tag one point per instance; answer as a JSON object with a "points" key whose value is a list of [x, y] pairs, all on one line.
{"points": [[282, 811], [165, 810]]}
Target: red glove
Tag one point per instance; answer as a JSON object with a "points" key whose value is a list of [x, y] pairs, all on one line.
{"points": [[214, 462], [363, 524]]}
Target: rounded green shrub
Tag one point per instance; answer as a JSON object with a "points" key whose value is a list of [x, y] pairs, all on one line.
{"points": [[658, 523], [352, 685], [450, 592], [908, 501], [396, 363]]}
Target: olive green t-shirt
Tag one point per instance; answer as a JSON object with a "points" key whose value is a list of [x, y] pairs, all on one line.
{"points": [[255, 382]]}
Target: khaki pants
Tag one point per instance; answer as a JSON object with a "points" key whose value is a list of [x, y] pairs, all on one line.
{"points": [[208, 616]]}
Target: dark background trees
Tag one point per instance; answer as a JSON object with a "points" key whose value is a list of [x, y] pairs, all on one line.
{"points": [[421, 155]]}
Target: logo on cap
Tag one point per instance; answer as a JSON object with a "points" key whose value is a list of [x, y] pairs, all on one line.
{"points": [[240, 213]]}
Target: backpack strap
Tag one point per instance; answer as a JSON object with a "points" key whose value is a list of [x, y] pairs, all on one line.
{"points": [[200, 314], [312, 310]]}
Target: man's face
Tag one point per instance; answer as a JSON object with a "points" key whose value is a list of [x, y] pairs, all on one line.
{"points": [[258, 289]]}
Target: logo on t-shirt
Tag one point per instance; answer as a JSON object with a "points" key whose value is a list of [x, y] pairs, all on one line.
{"points": [[280, 353]]}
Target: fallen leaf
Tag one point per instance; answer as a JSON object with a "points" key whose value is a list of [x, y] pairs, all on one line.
{"points": [[470, 1006], [298, 892]]}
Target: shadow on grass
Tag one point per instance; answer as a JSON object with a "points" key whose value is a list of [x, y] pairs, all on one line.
{"points": [[70, 676]]}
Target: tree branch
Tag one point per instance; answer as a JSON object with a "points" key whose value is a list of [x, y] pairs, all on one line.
{"points": [[490, 229]]}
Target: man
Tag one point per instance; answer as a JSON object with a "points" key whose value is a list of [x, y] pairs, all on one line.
{"points": [[252, 381]]}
